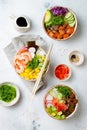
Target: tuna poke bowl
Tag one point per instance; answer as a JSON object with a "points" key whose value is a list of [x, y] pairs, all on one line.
{"points": [[60, 23], [29, 60], [60, 102]]}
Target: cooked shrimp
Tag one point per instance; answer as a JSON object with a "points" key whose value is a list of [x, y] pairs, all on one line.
{"points": [[22, 50], [21, 60], [18, 64], [19, 69], [15, 59], [27, 53], [24, 59]]}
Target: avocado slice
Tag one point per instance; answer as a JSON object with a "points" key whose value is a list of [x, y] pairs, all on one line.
{"points": [[48, 16], [48, 24]]}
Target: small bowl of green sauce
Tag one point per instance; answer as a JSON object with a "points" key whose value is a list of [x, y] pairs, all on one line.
{"points": [[9, 94]]}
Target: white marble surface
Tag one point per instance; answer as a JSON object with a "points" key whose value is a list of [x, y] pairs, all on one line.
{"points": [[17, 117]]}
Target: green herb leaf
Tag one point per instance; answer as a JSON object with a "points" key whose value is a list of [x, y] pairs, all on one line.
{"points": [[58, 20], [34, 63], [55, 20], [65, 91]]}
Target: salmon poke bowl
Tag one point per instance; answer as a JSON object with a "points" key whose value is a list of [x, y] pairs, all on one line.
{"points": [[59, 22], [29, 60], [60, 102]]}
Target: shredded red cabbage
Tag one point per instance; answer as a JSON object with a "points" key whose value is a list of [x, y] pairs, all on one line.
{"points": [[59, 10]]}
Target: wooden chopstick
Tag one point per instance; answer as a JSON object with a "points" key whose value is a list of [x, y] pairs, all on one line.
{"points": [[41, 73]]}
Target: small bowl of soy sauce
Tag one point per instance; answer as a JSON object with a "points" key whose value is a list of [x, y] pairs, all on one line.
{"points": [[76, 58], [22, 23]]}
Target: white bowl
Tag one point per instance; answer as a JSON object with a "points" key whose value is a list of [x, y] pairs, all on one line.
{"points": [[40, 51], [52, 33], [48, 99], [76, 58], [20, 26], [15, 100]]}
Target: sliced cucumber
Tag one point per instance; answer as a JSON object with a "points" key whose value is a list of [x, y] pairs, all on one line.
{"points": [[55, 94], [70, 18], [69, 14], [72, 24], [71, 21]]}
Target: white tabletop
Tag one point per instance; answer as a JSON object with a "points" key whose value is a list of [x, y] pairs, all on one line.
{"points": [[17, 117]]}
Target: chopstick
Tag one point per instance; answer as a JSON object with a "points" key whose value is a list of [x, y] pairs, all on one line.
{"points": [[41, 73]]}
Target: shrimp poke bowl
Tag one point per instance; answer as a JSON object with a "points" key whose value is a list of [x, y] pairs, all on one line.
{"points": [[60, 23], [60, 102], [29, 60]]}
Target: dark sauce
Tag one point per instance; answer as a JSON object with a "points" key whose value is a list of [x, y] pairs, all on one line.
{"points": [[21, 21], [32, 44], [73, 56]]}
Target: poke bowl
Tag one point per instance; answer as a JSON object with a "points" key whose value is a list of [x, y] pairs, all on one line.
{"points": [[60, 102], [59, 23], [29, 60]]}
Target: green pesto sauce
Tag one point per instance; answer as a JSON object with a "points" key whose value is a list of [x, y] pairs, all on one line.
{"points": [[7, 93]]}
